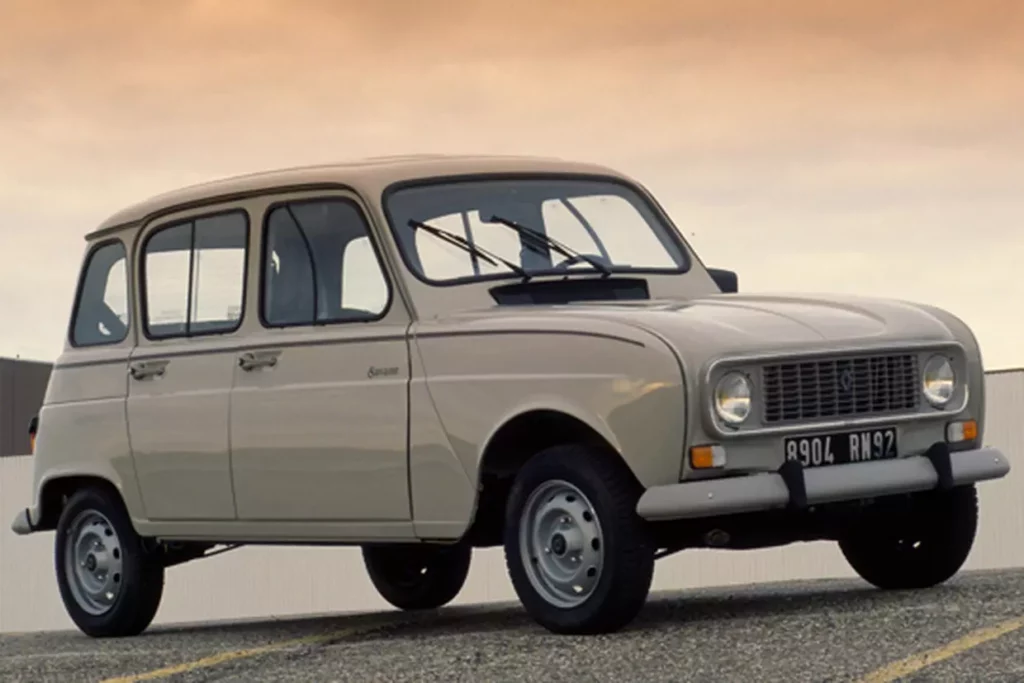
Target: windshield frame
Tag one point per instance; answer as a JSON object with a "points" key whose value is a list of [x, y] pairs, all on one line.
{"points": [[644, 197]]}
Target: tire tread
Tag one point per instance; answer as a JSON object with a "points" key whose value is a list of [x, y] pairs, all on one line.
{"points": [[442, 586], [632, 569], [142, 574], [955, 511]]}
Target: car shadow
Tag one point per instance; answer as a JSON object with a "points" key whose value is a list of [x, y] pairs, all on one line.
{"points": [[678, 608], [663, 609]]}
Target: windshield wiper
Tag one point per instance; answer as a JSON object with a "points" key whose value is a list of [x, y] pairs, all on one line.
{"points": [[461, 243], [549, 242]]}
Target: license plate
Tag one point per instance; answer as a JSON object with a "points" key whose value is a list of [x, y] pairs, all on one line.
{"points": [[845, 447]]}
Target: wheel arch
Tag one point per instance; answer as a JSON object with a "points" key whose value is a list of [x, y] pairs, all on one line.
{"points": [[518, 438], [56, 490]]}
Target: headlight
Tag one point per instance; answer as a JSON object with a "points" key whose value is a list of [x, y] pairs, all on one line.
{"points": [[938, 381], [732, 398]]}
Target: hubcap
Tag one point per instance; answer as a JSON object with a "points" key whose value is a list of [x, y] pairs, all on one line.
{"points": [[561, 544], [93, 562]]}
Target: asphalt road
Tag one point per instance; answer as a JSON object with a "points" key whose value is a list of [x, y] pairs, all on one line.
{"points": [[971, 629]]}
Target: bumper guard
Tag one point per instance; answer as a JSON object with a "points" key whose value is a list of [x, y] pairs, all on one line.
{"points": [[796, 487]]}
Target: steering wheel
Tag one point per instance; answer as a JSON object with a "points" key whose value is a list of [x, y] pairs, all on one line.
{"points": [[582, 258]]}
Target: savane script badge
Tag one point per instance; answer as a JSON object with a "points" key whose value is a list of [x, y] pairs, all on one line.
{"points": [[381, 372]]}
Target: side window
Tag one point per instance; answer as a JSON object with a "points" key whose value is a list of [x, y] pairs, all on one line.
{"points": [[319, 265], [166, 267], [101, 312], [195, 276], [363, 286], [218, 277]]}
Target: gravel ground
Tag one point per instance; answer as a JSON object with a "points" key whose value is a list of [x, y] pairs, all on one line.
{"points": [[821, 631]]}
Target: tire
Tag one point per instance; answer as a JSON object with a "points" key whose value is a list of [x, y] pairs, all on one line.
{"points": [[110, 585], [597, 577], [419, 577], [916, 545]]}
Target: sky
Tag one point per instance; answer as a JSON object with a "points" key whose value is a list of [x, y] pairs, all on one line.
{"points": [[869, 147]]}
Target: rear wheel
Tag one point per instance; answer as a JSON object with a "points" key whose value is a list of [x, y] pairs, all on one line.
{"points": [[580, 559], [917, 542], [111, 586], [418, 577]]}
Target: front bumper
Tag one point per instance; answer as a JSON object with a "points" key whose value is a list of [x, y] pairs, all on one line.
{"points": [[795, 487]]}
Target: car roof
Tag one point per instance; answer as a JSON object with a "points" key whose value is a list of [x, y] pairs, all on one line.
{"points": [[370, 174]]}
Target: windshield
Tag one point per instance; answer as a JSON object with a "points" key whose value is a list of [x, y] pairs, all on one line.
{"points": [[604, 220]]}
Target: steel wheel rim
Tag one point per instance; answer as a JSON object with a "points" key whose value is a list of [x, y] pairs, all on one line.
{"points": [[93, 562], [561, 544]]}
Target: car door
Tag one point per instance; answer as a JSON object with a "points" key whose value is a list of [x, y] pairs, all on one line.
{"points": [[319, 409], [191, 279]]}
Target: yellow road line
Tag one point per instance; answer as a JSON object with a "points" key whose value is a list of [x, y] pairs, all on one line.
{"points": [[233, 655], [914, 663]]}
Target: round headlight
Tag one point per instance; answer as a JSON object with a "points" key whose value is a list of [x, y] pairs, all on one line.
{"points": [[938, 381], [732, 398]]}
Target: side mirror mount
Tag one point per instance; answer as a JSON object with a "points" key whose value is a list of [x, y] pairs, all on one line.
{"points": [[727, 280]]}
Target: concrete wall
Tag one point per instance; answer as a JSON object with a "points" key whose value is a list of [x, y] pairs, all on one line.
{"points": [[22, 388], [261, 582]]}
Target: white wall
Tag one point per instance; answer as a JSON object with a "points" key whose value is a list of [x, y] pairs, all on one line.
{"points": [[258, 582]]}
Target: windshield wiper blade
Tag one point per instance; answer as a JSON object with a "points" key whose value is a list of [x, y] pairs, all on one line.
{"points": [[461, 243], [549, 242]]}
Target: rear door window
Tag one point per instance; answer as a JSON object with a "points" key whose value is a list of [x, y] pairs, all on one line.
{"points": [[101, 314]]}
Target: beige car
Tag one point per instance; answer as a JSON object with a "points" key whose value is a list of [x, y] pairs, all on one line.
{"points": [[426, 355]]}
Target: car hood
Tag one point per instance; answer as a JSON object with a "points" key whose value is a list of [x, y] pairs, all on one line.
{"points": [[759, 322], [743, 323]]}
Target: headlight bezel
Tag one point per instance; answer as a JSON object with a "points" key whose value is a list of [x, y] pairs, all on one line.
{"points": [[942, 371], [733, 420]]}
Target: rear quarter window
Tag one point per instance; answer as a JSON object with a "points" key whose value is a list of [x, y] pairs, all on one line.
{"points": [[101, 315]]}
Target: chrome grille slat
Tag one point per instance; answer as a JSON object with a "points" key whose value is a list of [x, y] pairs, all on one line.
{"points": [[802, 390]]}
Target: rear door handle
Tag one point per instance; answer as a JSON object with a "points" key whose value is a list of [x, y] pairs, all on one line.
{"points": [[145, 369], [254, 360]]}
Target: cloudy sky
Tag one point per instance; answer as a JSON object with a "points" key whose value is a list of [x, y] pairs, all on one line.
{"points": [[871, 146]]}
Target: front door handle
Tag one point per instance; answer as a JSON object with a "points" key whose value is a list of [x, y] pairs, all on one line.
{"points": [[254, 360], [146, 369]]}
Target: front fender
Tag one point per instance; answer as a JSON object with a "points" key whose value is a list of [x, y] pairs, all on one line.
{"points": [[632, 395], [975, 365], [555, 404]]}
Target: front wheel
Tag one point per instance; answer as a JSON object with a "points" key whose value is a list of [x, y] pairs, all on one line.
{"points": [[110, 584], [918, 542], [580, 559], [418, 577]]}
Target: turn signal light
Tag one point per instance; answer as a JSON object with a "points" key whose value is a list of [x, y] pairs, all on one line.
{"points": [[961, 431], [707, 457]]}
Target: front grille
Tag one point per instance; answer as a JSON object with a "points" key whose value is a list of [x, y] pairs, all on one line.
{"points": [[863, 385]]}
